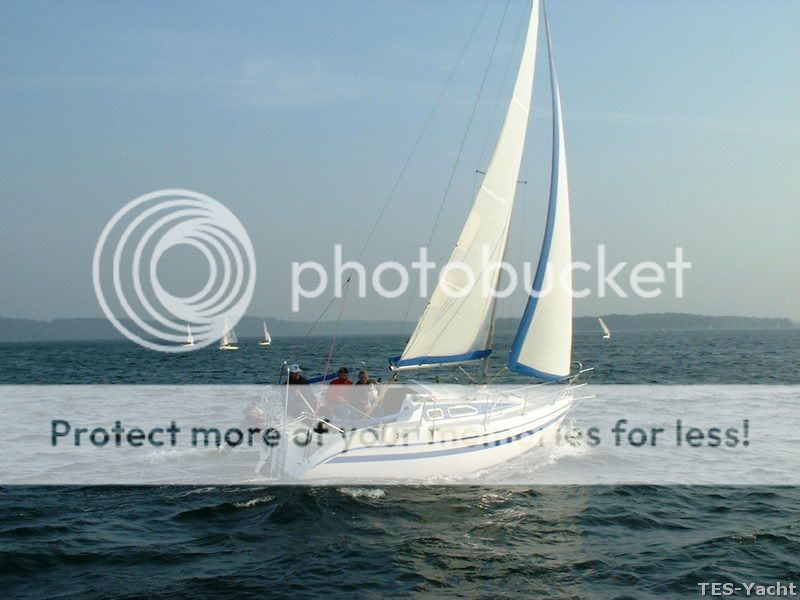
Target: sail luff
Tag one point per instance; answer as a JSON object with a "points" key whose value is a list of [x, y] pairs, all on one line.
{"points": [[542, 347], [455, 326]]}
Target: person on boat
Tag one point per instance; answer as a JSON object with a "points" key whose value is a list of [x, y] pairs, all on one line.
{"points": [[296, 376], [363, 378], [366, 395], [336, 395], [343, 377]]}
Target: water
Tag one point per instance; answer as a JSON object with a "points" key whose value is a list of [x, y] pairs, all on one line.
{"points": [[690, 357], [476, 542]]}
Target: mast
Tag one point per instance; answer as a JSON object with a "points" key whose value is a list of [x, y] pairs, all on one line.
{"points": [[490, 333]]}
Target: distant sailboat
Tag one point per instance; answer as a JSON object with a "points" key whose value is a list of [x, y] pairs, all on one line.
{"points": [[267, 337], [189, 337], [229, 340], [606, 330]]}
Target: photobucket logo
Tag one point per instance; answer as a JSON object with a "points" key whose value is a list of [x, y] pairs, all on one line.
{"points": [[125, 270], [645, 279]]}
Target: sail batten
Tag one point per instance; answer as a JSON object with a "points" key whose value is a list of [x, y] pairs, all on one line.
{"points": [[456, 327], [542, 347]]}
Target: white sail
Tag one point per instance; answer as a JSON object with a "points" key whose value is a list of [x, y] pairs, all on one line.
{"points": [[543, 345], [455, 325], [189, 336], [267, 337], [228, 337], [606, 330]]}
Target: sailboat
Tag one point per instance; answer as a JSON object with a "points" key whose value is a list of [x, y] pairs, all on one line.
{"points": [[452, 430], [229, 340], [267, 337], [189, 337], [606, 330]]}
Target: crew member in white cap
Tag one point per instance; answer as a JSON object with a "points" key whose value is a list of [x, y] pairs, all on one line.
{"points": [[296, 376]]}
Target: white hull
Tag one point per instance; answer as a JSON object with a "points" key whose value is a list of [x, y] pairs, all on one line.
{"points": [[414, 447], [229, 347], [264, 343]]}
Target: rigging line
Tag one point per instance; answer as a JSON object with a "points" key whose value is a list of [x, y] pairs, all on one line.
{"points": [[407, 161], [469, 126], [458, 155], [511, 56], [322, 314], [422, 132], [336, 329]]}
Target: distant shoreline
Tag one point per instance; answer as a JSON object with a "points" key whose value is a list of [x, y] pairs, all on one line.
{"points": [[98, 329]]}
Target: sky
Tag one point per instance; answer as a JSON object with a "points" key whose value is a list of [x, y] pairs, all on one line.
{"points": [[682, 125]]}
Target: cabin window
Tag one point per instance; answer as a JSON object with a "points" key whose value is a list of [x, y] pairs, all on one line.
{"points": [[435, 413], [462, 411]]}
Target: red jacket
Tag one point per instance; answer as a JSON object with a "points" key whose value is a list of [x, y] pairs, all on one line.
{"points": [[336, 395]]}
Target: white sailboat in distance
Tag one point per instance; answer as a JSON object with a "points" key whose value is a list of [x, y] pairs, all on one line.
{"points": [[189, 337], [606, 330], [267, 337], [229, 340], [459, 429]]}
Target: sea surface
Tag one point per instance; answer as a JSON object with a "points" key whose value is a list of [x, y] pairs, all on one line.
{"points": [[376, 542]]}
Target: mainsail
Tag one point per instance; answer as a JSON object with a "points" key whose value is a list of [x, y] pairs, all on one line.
{"points": [[229, 336], [267, 336], [606, 330], [543, 345], [456, 323]]}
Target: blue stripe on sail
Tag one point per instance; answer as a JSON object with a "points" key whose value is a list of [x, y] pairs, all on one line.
{"points": [[341, 458], [544, 255], [438, 360], [530, 371]]}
